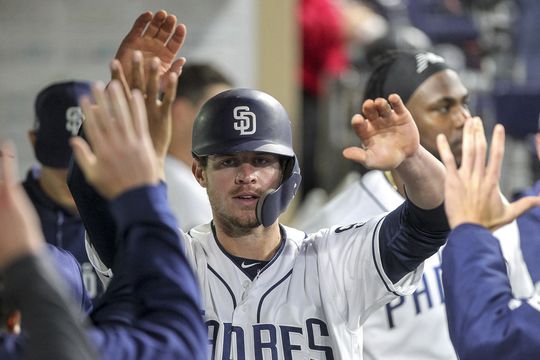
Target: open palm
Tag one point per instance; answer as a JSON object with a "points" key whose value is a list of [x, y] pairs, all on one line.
{"points": [[154, 36], [388, 134]]}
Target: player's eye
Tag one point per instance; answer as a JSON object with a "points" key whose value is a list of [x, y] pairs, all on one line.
{"points": [[264, 160], [229, 162]]}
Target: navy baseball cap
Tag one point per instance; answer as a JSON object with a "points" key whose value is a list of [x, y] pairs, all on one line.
{"points": [[58, 117]]}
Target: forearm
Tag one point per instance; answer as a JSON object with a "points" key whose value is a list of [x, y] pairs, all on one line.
{"points": [[51, 321], [421, 179], [152, 260], [409, 235], [484, 320]]}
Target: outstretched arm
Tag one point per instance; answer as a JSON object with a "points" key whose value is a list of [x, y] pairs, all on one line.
{"points": [[122, 166], [484, 320], [390, 141]]}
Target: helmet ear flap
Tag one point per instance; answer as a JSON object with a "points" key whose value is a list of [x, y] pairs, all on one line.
{"points": [[275, 202]]}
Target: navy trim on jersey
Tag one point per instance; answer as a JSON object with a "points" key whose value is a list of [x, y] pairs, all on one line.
{"points": [[233, 258], [375, 257], [373, 197], [224, 283], [268, 292]]}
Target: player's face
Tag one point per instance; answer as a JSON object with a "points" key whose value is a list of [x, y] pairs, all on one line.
{"points": [[440, 105], [235, 183]]}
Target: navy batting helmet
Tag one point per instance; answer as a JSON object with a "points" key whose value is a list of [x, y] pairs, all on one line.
{"points": [[241, 120]]}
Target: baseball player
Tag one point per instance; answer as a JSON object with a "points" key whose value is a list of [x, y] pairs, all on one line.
{"points": [[58, 118], [438, 102], [189, 202], [485, 319], [161, 317], [270, 291]]}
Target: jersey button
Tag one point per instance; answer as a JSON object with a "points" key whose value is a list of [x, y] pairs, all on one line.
{"points": [[245, 284]]}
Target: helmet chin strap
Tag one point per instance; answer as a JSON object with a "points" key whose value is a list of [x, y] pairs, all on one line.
{"points": [[275, 202]]}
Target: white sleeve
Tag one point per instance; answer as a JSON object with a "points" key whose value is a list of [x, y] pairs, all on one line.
{"points": [[351, 269], [105, 273]]}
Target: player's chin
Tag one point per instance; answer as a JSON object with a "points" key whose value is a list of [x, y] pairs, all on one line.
{"points": [[246, 219]]}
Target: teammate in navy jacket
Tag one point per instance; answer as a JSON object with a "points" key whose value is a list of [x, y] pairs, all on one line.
{"points": [[161, 319], [58, 118], [485, 321]]}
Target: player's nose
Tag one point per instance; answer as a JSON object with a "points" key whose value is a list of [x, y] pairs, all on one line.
{"points": [[245, 174], [460, 116]]}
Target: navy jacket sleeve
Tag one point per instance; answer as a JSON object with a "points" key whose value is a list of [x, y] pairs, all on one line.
{"points": [[484, 320], [409, 235], [167, 323]]}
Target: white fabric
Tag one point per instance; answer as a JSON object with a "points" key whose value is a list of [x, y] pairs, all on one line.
{"points": [[419, 329], [188, 200], [310, 300]]}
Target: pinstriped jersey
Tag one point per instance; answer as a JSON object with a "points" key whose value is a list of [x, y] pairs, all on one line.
{"points": [[308, 302], [400, 328]]}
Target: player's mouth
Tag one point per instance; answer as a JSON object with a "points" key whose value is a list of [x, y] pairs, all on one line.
{"points": [[246, 198]]}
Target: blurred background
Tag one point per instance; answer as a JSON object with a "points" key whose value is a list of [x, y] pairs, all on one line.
{"points": [[312, 55]]}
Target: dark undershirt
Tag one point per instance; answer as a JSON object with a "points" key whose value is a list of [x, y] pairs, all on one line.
{"points": [[251, 267]]}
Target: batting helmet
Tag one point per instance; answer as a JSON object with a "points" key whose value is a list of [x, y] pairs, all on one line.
{"points": [[241, 120]]}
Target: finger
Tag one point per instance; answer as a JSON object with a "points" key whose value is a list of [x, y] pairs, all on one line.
{"points": [[537, 143], [368, 110], [137, 72], [117, 73], [359, 125], [121, 110], [480, 144], [496, 153], [518, 207], [102, 111], [83, 155], [356, 154], [397, 104], [467, 153], [138, 111], [90, 126], [166, 28], [138, 26], [8, 164], [169, 94], [383, 108], [175, 68], [155, 24], [152, 91], [446, 154], [177, 39]]}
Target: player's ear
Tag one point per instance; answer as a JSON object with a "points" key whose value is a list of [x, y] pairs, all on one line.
{"points": [[32, 138], [199, 171]]}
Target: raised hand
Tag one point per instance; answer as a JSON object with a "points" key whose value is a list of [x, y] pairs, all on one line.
{"points": [[122, 155], [154, 36], [472, 193], [20, 232], [388, 134], [158, 111]]}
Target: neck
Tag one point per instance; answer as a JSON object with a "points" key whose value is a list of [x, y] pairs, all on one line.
{"points": [[259, 243], [53, 183]]}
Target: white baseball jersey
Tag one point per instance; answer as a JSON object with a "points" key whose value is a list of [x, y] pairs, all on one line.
{"points": [[414, 326], [309, 302]]}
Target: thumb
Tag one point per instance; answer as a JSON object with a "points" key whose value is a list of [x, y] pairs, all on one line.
{"points": [[518, 207]]}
